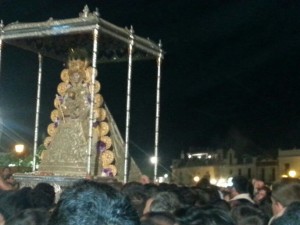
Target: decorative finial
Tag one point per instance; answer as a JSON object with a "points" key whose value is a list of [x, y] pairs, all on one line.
{"points": [[159, 44], [85, 11], [96, 12], [131, 29], [131, 32]]}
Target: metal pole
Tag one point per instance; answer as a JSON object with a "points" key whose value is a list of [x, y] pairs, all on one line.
{"points": [[159, 59], [91, 116], [37, 111], [129, 74], [1, 32]]}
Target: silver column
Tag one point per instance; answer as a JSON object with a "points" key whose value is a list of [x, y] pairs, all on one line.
{"points": [[129, 74], [159, 60], [91, 116], [37, 112], [1, 32]]}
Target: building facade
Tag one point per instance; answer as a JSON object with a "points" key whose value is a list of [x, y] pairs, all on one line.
{"points": [[220, 165]]}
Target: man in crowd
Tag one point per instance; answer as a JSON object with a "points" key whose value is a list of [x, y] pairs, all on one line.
{"points": [[241, 191], [283, 194], [90, 203]]}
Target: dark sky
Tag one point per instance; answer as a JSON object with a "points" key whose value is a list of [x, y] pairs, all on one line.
{"points": [[230, 76]]}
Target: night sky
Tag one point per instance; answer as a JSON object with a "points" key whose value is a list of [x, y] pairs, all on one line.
{"points": [[230, 77]]}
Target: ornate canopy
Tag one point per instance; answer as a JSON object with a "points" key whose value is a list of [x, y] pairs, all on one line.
{"points": [[54, 38]]}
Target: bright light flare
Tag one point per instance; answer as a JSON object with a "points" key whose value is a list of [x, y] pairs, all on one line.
{"points": [[19, 148], [153, 160], [292, 173]]}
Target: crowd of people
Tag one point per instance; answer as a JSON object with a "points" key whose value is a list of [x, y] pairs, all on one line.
{"points": [[88, 202]]}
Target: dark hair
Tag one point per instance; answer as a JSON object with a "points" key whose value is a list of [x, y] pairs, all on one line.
{"points": [[136, 193], [156, 218], [42, 196], [12, 202], [29, 217], [286, 193], [291, 215], [248, 214], [242, 184], [93, 203], [208, 216], [165, 201]]}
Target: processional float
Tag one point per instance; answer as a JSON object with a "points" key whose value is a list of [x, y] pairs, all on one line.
{"points": [[83, 137]]}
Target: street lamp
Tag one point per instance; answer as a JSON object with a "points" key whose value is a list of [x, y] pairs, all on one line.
{"points": [[19, 149], [196, 179], [292, 173], [153, 160]]}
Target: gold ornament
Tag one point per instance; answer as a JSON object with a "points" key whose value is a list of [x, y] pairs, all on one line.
{"points": [[98, 100], [51, 129], [64, 75], [100, 114], [57, 103], [77, 64], [97, 87], [107, 157], [112, 168], [54, 115], [107, 141], [103, 129], [47, 141], [62, 88]]}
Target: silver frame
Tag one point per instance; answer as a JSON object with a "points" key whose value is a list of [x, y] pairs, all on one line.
{"points": [[30, 35]]}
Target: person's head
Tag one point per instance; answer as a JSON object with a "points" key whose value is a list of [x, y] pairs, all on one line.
{"points": [[291, 215], [257, 184], [283, 194], [248, 215], [88, 202], [135, 192], [165, 202], [208, 216], [29, 217], [42, 196], [158, 218], [240, 185], [187, 196], [261, 194], [6, 171], [12, 202]]}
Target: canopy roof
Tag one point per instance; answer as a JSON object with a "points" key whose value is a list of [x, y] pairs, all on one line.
{"points": [[54, 38]]}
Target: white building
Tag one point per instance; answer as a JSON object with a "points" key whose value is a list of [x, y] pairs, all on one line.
{"points": [[220, 165]]}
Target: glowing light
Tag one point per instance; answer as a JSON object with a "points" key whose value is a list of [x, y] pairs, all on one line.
{"points": [[196, 178], [166, 175], [153, 160], [284, 176], [213, 181], [292, 173], [222, 182], [229, 181], [19, 148]]}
